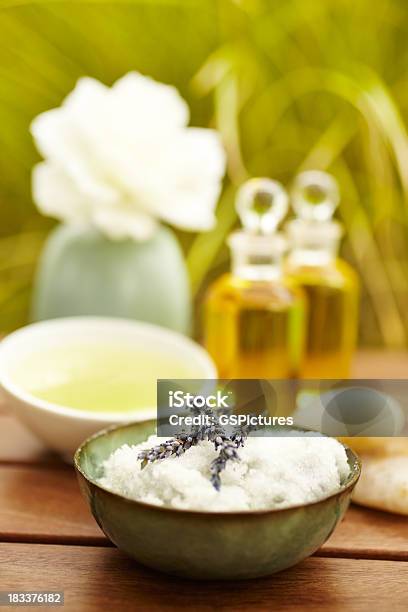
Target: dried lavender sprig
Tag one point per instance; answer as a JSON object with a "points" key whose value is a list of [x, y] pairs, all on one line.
{"points": [[169, 448], [226, 445], [227, 449], [179, 445]]}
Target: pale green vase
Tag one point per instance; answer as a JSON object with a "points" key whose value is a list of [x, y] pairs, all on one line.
{"points": [[81, 272]]}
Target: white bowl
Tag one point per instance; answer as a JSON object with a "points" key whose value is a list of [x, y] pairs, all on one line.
{"points": [[62, 428]]}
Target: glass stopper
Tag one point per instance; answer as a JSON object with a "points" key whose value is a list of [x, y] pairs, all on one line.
{"points": [[261, 205], [315, 195]]}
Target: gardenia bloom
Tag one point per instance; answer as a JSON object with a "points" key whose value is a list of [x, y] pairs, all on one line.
{"points": [[122, 158]]}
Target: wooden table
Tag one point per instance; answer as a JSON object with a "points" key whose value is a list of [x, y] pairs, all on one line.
{"points": [[49, 541]]}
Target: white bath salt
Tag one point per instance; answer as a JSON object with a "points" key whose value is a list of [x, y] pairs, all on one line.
{"points": [[276, 472]]}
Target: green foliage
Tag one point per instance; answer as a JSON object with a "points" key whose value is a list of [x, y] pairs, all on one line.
{"points": [[291, 85]]}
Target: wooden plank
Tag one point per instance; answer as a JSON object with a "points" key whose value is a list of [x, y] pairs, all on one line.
{"points": [[367, 533], [94, 577], [380, 364], [4, 407], [41, 504], [19, 445]]}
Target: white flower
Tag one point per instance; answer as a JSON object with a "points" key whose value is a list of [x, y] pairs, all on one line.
{"points": [[123, 158]]}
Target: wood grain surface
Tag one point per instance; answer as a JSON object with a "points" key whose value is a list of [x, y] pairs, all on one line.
{"points": [[19, 445], [94, 578], [42, 504], [380, 364]]}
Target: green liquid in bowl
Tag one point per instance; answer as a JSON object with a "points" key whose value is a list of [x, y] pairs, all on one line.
{"points": [[98, 377]]}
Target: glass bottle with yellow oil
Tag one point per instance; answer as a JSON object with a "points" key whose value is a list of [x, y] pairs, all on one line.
{"points": [[331, 285], [254, 316]]}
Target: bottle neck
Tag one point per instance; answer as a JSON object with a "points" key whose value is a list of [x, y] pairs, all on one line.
{"points": [[301, 256], [256, 270], [255, 257], [313, 243]]}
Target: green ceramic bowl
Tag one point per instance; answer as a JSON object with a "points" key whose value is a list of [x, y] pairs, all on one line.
{"points": [[205, 545]]}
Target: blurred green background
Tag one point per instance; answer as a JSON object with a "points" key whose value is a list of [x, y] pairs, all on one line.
{"points": [[291, 84]]}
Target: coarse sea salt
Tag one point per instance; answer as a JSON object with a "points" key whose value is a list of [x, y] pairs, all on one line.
{"points": [[273, 472]]}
